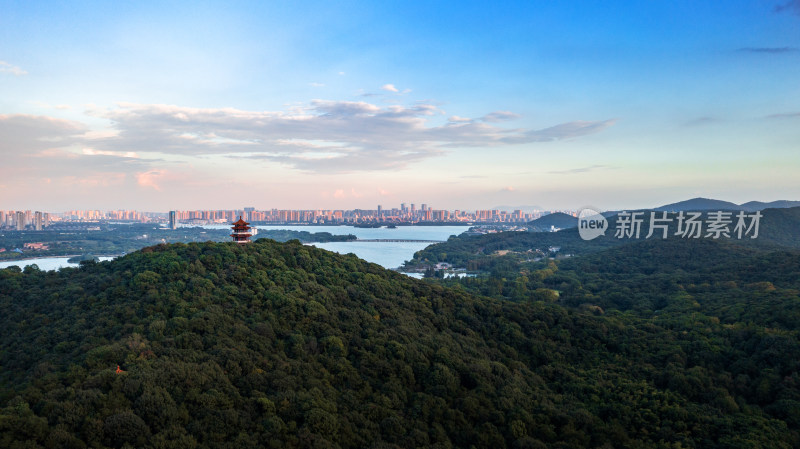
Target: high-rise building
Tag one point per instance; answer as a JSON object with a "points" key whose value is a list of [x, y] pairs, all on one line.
{"points": [[248, 213], [37, 221], [20, 221], [380, 211], [173, 220], [424, 207]]}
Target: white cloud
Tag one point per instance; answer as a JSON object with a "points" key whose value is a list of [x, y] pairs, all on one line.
{"points": [[92, 152], [567, 130], [94, 180], [316, 85], [5, 67], [499, 116], [344, 108], [23, 134], [41, 146], [389, 88], [100, 134], [456, 118], [323, 136]]}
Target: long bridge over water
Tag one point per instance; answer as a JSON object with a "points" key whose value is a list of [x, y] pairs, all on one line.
{"points": [[396, 241]]}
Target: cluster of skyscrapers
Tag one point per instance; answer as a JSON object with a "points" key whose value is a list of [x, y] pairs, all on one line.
{"points": [[405, 214], [22, 220]]}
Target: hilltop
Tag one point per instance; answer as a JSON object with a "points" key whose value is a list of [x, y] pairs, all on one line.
{"points": [[559, 220], [285, 345], [695, 204]]}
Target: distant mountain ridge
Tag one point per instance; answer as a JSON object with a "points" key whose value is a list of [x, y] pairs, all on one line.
{"points": [[780, 204], [525, 209], [697, 204]]}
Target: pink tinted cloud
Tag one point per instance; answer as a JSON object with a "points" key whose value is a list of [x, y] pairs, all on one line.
{"points": [[151, 178]]}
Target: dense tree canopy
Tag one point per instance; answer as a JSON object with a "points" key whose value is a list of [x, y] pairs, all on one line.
{"points": [[285, 345]]}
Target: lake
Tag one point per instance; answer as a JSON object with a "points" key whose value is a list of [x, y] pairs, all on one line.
{"points": [[385, 254], [46, 263]]}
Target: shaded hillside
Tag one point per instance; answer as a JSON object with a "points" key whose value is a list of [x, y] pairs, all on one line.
{"points": [[647, 277], [779, 228], [284, 345], [559, 220], [723, 310]]}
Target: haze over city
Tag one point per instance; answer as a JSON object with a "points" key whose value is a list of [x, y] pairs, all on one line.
{"points": [[464, 105]]}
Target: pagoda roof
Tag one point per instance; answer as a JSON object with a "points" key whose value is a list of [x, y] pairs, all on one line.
{"points": [[240, 222]]}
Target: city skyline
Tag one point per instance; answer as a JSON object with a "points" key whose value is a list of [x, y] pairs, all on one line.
{"points": [[470, 105], [405, 213]]}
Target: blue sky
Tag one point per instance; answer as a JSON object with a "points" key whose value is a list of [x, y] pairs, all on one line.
{"points": [[461, 105]]}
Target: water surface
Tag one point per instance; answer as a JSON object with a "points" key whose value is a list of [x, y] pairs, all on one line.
{"points": [[46, 263], [385, 254]]}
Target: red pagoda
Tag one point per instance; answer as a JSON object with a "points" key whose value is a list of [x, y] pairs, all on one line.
{"points": [[241, 232]]}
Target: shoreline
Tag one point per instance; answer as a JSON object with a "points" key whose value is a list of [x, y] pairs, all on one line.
{"points": [[57, 257], [271, 224]]}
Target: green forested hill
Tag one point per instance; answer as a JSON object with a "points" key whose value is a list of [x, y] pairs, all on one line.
{"points": [[717, 309], [285, 345], [778, 228]]}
